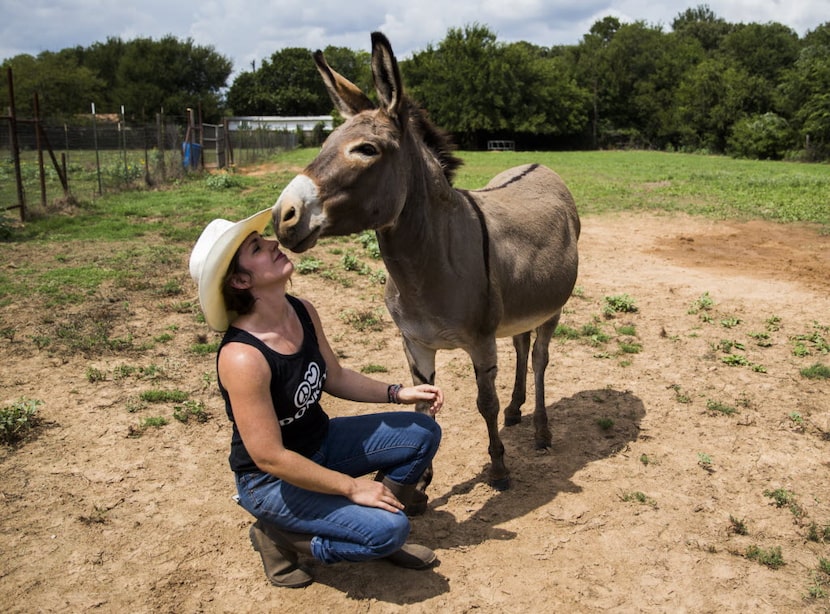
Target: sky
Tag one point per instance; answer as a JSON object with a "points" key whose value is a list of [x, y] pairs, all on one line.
{"points": [[246, 32]]}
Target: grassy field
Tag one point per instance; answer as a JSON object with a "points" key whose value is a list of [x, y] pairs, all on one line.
{"points": [[717, 187]]}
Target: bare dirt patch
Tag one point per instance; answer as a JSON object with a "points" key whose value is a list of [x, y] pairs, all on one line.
{"points": [[630, 510]]}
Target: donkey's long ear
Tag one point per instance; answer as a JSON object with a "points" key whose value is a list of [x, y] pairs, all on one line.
{"points": [[345, 95], [387, 74]]}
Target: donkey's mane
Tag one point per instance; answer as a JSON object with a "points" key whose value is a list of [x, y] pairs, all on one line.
{"points": [[438, 141]]}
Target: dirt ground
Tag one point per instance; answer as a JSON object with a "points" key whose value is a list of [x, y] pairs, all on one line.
{"points": [[644, 515]]}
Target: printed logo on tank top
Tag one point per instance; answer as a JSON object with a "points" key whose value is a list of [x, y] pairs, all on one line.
{"points": [[308, 392]]}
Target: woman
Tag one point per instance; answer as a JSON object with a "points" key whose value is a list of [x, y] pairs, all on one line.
{"points": [[298, 472]]}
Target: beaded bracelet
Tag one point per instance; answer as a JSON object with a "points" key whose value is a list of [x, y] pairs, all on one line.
{"points": [[392, 393]]}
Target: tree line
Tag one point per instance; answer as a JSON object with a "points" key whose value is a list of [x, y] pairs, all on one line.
{"points": [[751, 90]]}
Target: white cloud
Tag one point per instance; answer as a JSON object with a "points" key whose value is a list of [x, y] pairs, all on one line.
{"points": [[246, 32]]}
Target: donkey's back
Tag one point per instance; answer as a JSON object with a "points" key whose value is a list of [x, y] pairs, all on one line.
{"points": [[533, 228]]}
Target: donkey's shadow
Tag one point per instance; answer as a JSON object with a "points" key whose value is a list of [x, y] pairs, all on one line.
{"points": [[588, 426]]}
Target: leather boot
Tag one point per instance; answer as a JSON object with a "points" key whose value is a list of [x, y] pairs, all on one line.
{"points": [[280, 552], [410, 556], [416, 505]]}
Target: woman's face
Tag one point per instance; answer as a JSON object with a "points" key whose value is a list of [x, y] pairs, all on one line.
{"points": [[264, 260]]}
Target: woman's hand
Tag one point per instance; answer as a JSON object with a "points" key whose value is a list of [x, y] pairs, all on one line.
{"points": [[374, 494], [423, 392]]}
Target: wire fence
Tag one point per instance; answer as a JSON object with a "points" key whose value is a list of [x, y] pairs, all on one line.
{"points": [[65, 163]]}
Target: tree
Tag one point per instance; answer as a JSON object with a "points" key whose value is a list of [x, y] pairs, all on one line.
{"points": [[171, 75], [63, 87], [289, 84], [701, 24], [476, 88], [805, 93]]}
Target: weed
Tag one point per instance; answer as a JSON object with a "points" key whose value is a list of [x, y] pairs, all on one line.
{"points": [[363, 320], [190, 409], [773, 324], [621, 303], [630, 348], [605, 423], [350, 262], [722, 408], [735, 360], [163, 396], [679, 395], [737, 526], [95, 375], [816, 371], [645, 459], [702, 304], [816, 533], [638, 497], [761, 339], [730, 322], [784, 498], [373, 368], [18, 420], [594, 334], [796, 418], [627, 329], [705, 461], [204, 349], [772, 557], [566, 332], [369, 240], [153, 422], [308, 265]]}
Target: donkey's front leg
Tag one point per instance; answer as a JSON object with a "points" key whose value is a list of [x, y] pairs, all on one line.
{"points": [[485, 363], [421, 361]]}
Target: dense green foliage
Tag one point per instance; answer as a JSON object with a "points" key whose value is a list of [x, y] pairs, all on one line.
{"points": [[143, 75], [704, 85]]}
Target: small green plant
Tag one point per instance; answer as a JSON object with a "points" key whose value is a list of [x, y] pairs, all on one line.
{"points": [[566, 332], [621, 303], [737, 526], [705, 461], [730, 322], [363, 320], [761, 339], [796, 418], [308, 265], [628, 329], [771, 557], [222, 181], [717, 407], [95, 375], [819, 534], [605, 423], [645, 459], [373, 368], [784, 498], [816, 371], [18, 420], [638, 497], [190, 409], [702, 304], [773, 324], [630, 348], [153, 422], [679, 395], [369, 240], [205, 349], [350, 262], [163, 396]]}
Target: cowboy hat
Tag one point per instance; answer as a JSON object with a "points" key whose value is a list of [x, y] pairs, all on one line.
{"points": [[211, 257]]}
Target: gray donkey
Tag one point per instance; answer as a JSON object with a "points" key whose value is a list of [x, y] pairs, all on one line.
{"points": [[464, 266]]}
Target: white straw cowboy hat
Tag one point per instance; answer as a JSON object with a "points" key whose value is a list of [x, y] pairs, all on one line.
{"points": [[211, 257]]}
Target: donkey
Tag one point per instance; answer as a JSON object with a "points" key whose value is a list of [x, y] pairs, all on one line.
{"points": [[464, 266]]}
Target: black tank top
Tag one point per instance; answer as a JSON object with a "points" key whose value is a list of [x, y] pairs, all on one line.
{"points": [[296, 386]]}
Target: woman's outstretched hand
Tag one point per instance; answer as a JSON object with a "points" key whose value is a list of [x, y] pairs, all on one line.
{"points": [[423, 392]]}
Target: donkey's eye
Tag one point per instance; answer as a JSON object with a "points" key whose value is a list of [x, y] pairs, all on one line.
{"points": [[365, 149]]}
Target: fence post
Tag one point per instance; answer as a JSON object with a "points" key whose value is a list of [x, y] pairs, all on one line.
{"points": [[39, 145], [21, 198], [95, 142]]}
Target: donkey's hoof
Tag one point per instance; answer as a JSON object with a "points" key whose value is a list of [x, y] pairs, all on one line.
{"points": [[512, 419], [543, 446], [501, 484]]}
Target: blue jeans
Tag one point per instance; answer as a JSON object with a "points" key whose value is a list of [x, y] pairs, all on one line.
{"points": [[401, 443]]}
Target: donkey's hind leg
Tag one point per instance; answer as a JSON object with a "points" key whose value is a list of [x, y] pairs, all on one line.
{"points": [[541, 357], [513, 412]]}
